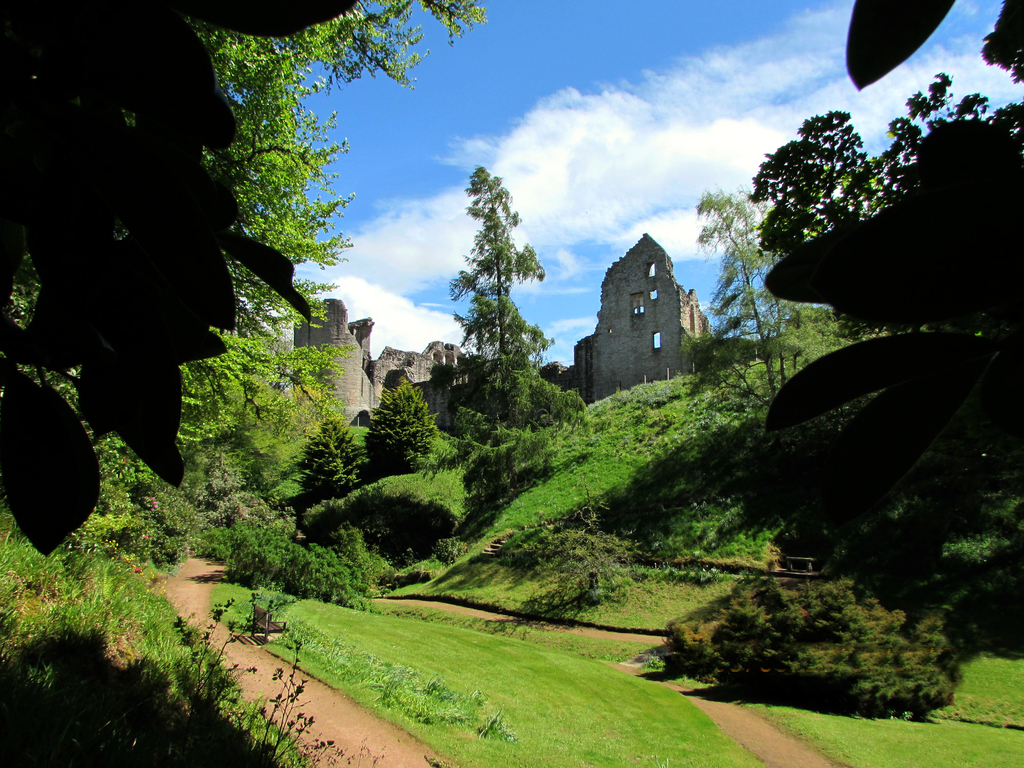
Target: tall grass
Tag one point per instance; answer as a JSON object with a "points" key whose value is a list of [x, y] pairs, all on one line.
{"points": [[425, 699], [96, 669]]}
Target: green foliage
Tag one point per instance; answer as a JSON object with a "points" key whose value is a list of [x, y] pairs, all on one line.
{"points": [[94, 662], [497, 728], [402, 517], [759, 340], [502, 406], [402, 429], [823, 647], [497, 461], [261, 558], [331, 461], [447, 551], [584, 554], [494, 328]]}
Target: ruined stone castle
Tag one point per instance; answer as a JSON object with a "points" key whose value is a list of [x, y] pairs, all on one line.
{"points": [[361, 378], [644, 317]]}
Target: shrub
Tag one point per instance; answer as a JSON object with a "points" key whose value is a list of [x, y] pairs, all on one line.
{"points": [[402, 429], [396, 515], [214, 544], [447, 551], [331, 461], [584, 554], [821, 645], [174, 523], [267, 558]]}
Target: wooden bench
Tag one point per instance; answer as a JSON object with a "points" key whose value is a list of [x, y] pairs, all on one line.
{"points": [[263, 620], [800, 564]]}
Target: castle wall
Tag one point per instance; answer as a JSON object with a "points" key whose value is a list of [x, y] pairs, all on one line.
{"points": [[642, 321], [351, 384], [361, 378], [644, 317]]}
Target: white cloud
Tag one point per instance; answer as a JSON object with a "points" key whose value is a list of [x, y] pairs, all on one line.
{"points": [[397, 321], [572, 324], [413, 244], [591, 172]]}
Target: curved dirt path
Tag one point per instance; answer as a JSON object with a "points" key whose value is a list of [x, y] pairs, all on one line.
{"points": [[772, 747], [366, 739]]}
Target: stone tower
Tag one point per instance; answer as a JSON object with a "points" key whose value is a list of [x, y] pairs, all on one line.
{"points": [[351, 384], [644, 317]]}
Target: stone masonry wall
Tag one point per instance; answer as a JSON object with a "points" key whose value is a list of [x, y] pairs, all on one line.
{"points": [[351, 384], [644, 317], [361, 378]]}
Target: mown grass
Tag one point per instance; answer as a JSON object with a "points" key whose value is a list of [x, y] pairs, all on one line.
{"points": [[564, 710], [96, 669], [646, 604], [899, 744], [603, 649], [991, 693]]}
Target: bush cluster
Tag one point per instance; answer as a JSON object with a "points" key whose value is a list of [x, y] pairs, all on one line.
{"points": [[447, 551], [268, 558], [332, 461], [401, 517], [402, 429], [823, 648]]}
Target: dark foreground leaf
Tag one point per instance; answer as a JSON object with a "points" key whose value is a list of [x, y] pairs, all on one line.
{"points": [[50, 473], [884, 34], [269, 265], [887, 438], [1001, 391], [926, 260], [867, 367]]}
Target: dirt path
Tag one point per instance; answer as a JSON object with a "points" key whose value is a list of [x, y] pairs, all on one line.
{"points": [[366, 739], [363, 736], [772, 747]]}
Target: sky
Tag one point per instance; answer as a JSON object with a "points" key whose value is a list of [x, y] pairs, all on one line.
{"points": [[605, 121]]}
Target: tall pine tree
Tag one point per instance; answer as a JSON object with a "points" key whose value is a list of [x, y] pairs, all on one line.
{"points": [[503, 405]]}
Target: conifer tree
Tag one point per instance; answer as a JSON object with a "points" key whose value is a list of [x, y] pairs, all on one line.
{"points": [[331, 461], [402, 429], [502, 405]]}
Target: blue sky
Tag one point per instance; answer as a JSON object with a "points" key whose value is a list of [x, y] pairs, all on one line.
{"points": [[604, 123]]}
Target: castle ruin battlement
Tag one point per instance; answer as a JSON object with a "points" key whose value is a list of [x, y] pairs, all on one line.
{"points": [[644, 317], [361, 378]]}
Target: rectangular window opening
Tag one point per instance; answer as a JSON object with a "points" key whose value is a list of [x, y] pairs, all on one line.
{"points": [[637, 301], [657, 340], [654, 295]]}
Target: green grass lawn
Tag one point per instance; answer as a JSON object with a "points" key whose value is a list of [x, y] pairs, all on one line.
{"points": [[992, 692], [565, 710], [898, 744], [645, 604], [599, 648]]}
